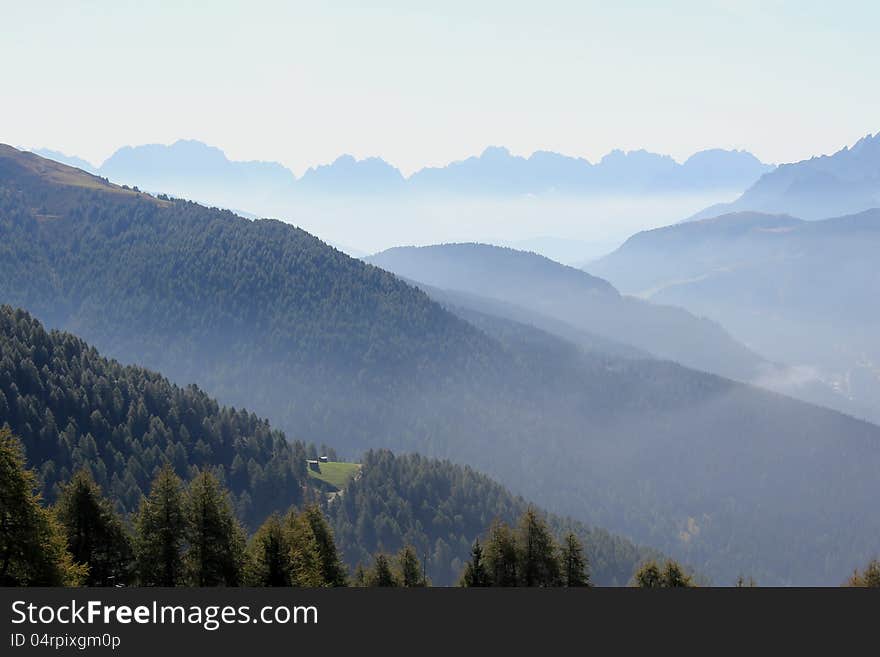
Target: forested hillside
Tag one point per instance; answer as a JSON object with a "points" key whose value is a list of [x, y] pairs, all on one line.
{"points": [[74, 409], [440, 508], [260, 314], [569, 295]]}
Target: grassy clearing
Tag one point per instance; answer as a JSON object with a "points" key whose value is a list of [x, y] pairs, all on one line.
{"points": [[336, 474]]}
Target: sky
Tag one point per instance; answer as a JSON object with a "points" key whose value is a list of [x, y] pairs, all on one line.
{"points": [[425, 83]]}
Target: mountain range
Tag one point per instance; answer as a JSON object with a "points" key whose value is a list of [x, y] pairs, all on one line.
{"points": [[799, 291], [728, 477], [572, 296], [826, 186], [194, 170]]}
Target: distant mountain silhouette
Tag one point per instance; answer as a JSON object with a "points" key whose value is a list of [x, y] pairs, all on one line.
{"points": [[191, 169], [347, 175], [194, 170], [582, 301], [496, 171], [802, 292], [69, 160], [830, 185]]}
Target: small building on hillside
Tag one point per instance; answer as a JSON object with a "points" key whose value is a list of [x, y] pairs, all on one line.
{"points": [[313, 464], [323, 459]]}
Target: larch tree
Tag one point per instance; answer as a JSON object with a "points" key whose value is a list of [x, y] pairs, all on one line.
{"points": [[575, 570], [869, 577], [380, 574], [651, 576], [305, 553], [409, 569], [160, 532], [333, 571], [33, 546], [96, 535], [269, 558], [475, 573], [502, 562], [216, 541], [537, 551]]}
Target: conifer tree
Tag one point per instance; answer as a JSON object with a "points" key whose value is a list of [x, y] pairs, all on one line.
{"points": [[671, 575], [269, 558], [305, 553], [475, 570], [33, 546], [216, 545], [869, 577], [501, 556], [409, 570], [675, 577], [332, 569], [537, 552], [160, 532], [575, 571], [380, 574], [360, 576], [96, 536]]}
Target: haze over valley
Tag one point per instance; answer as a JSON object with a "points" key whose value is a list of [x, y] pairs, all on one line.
{"points": [[527, 369], [333, 295]]}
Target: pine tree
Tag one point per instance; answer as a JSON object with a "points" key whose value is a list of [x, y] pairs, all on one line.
{"points": [[33, 546], [409, 570], [652, 576], [380, 574], [537, 552], [675, 577], [648, 576], [95, 534], [869, 577], [332, 569], [475, 571], [360, 576], [305, 553], [501, 556], [216, 544], [269, 560], [575, 571], [160, 532]]}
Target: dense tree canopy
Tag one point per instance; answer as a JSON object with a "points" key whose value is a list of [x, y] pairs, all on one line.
{"points": [[74, 409], [440, 509]]}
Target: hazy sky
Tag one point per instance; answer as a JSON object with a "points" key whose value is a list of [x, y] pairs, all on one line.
{"points": [[426, 83]]}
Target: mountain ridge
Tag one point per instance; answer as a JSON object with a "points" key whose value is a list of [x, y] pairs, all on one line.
{"points": [[494, 170], [575, 297], [844, 182], [263, 315], [767, 277]]}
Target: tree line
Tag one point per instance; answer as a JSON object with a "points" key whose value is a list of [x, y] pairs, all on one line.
{"points": [[180, 535], [72, 408], [440, 507], [75, 409], [188, 535]]}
